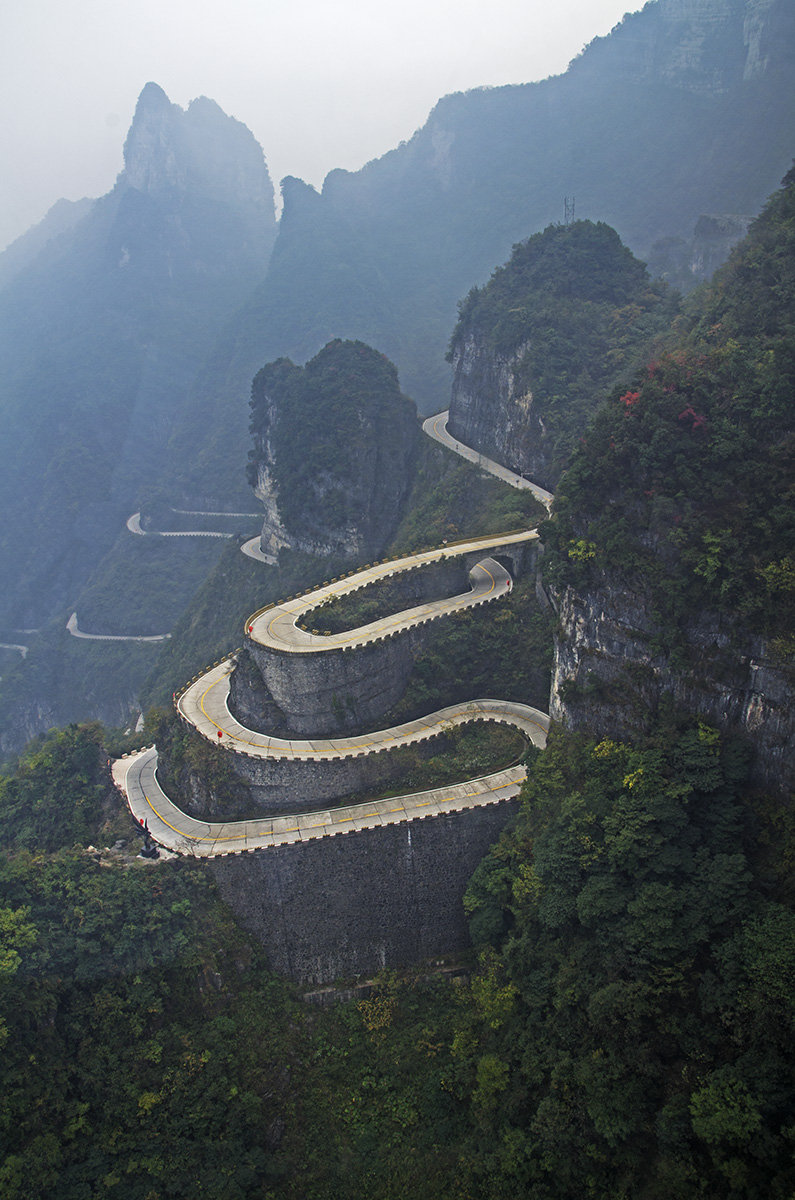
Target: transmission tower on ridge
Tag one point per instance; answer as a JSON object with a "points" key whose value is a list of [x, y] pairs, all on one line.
{"points": [[568, 210]]}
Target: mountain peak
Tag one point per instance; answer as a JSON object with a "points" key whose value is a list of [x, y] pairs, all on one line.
{"points": [[149, 161], [152, 97], [169, 150]]}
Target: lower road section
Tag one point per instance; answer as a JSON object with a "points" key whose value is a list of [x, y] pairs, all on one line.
{"points": [[176, 830]]}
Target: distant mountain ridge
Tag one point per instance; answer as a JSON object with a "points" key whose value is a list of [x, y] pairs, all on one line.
{"points": [[685, 109]]}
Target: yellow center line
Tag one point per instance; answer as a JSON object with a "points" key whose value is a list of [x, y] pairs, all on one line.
{"points": [[246, 834], [284, 751], [371, 575]]}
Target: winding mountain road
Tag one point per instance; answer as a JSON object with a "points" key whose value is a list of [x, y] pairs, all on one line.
{"points": [[75, 631], [204, 704], [252, 549], [276, 626], [436, 427], [174, 829], [134, 526]]}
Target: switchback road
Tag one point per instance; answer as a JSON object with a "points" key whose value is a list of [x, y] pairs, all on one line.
{"points": [[204, 705]]}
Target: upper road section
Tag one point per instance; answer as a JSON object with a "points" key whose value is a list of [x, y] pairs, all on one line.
{"points": [[436, 427], [276, 627]]}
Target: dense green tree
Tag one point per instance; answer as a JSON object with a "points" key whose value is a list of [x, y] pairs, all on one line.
{"points": [[631, 1060], [572, 312], [682, 485]]}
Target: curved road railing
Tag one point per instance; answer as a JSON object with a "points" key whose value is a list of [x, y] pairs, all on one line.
{"points": [[134, 524], [204, 704], [276, 627], [176, 830]]}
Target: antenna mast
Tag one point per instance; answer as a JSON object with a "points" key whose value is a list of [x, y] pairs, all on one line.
{"points": [[568, 209]]}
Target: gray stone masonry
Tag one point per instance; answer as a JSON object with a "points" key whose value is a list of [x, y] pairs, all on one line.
{"points": [[361, 902]]}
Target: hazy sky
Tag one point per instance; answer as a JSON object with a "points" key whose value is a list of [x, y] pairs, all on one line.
{"points": [[321, 83]]}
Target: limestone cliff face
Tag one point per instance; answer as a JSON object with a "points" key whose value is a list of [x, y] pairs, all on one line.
{"points": [[492, 411], [274, 536], [608, 679], [702, 46], [333, 454]]}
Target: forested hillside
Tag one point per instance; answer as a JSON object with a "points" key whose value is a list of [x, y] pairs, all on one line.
{"points": [[637, 1041], [673, 540], [537, 349], [626, 1029]]}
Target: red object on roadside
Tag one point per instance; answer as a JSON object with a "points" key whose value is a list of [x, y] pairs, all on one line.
{"points": [[220, 733]]}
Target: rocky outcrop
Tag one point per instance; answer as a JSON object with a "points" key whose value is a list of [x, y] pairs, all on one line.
{"points": [[206, 171], [536, 350], [199, 149], [685, 262], [492, 410], [608, 678], [333, 455]]}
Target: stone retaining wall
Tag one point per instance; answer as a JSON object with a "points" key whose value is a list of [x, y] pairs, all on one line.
{"points": [[332, 691], [360, 902]]}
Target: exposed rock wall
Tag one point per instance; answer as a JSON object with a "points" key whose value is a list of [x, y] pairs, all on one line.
{"points": [[361, 902], [333, 454], [339, 689], [492, 411], [608, 679], [250, 701], [705, 47]]}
